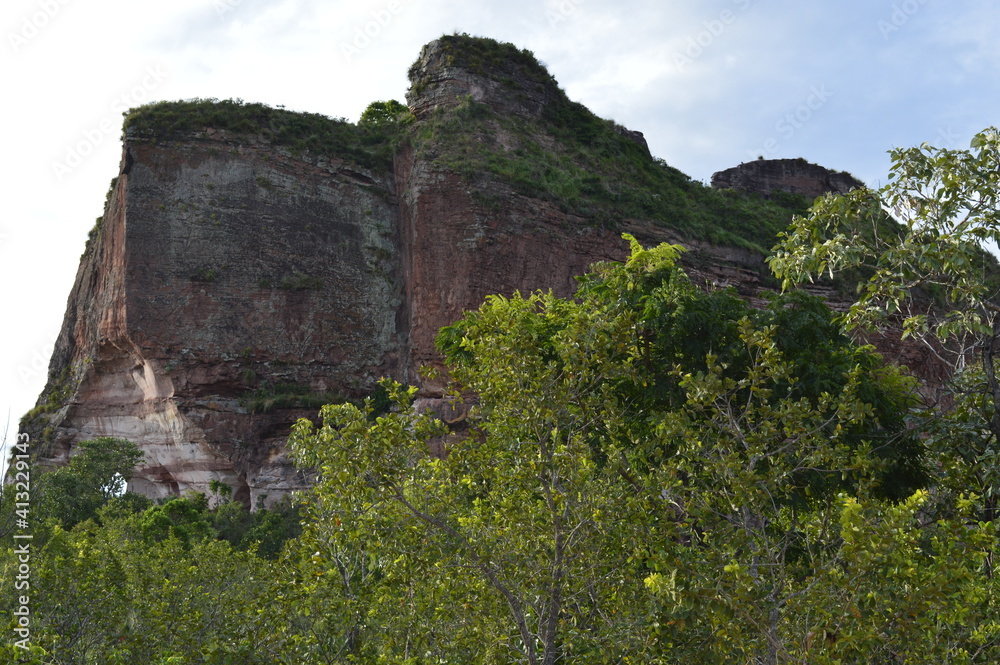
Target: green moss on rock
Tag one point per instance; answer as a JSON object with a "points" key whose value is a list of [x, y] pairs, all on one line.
{"points": [[368, 145]]}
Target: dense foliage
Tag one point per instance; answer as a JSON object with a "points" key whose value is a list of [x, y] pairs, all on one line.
{"points": [[947, 208], [650, 473], [116, 579], [649, 477]]}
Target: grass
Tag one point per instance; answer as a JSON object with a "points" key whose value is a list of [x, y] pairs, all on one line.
{"points": [[482, 56], [205, 275], [269, 397], [58, 394], [300, 282], [584, 166], [370, 146]]}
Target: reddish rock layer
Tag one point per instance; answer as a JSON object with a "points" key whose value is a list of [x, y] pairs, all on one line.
{"points": [[795, 176], [226, 272], [228, 276]]}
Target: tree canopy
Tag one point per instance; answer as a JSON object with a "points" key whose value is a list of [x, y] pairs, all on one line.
{"points": [[384, 113], [923, 241], [649, 472]]}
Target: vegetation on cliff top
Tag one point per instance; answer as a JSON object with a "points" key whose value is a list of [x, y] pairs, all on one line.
{"points": [[489, 58], [369, 145], [585, 165]]}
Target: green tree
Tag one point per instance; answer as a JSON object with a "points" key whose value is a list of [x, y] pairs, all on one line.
{"points": [[184, 519], [921, 238], [106, 593], [384, 113], [265, 531], [797, 574], [943, 208], [651, 473], [97, 472], [495, 552], [114, 579], [920, 242]]}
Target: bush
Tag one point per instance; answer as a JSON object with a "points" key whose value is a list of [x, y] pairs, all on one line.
{"points": [[385, 113], [95, 475]]}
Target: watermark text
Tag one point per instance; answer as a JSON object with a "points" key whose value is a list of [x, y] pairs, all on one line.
{"points": [[713, 28], [223, 7], [20, 473], [794, 120], [92, 137], [901, 14], [563, 10], [364, 34], [33, 24]]}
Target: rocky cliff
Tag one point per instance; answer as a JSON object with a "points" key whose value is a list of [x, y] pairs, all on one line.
{"points": [[252, 264], [223, 273], [792, 176]]}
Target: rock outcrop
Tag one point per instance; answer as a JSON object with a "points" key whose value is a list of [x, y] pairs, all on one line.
{"points": [[225, 273], [509, 80], [794, 176], [234, 283]]}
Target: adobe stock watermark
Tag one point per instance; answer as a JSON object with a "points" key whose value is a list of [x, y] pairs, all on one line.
{"points": [[793, 121], [20, 475], [946, 138], [713, 29], [38, 364], [562, 12], [152, 78], [365, 34], [901, 13], [223, 7], [32, 24]]}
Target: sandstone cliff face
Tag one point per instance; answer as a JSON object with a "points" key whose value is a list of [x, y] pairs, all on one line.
{"points": [[226, 269], [795, 176], [228, 272], [458, 250]]}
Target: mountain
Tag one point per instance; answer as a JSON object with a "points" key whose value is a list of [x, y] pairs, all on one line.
{"points": [[253, 263]]}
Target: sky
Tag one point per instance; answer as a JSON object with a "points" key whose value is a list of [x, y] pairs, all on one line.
{"points": [[711, 84]]}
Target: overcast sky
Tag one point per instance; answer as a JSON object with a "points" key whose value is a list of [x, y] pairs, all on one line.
{"points": [[710, 84]]}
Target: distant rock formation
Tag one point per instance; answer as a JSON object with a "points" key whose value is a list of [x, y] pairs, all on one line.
{"points": [[795, 176]]}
